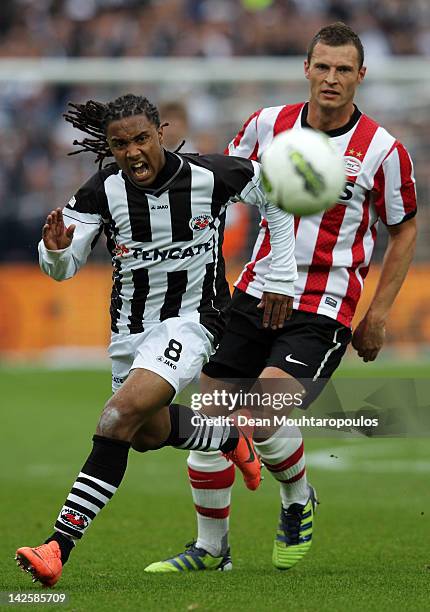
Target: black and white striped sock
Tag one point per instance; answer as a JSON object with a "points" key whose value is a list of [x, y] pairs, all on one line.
{"points": [[191, 430], [100, 477]]}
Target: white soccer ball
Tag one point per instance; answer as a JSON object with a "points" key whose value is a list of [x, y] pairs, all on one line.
{"points": [[303, 171]]}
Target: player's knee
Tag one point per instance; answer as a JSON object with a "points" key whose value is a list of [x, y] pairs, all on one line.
{"points": [[119, 419]]}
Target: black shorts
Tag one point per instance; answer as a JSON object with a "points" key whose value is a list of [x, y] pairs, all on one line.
{"points": [[309, 347]]}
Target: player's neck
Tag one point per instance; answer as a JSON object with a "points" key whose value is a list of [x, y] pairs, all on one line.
{"points": [[327, 119]]}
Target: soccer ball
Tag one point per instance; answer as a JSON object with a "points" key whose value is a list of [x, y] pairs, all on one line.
{"points": [[303, 172]]}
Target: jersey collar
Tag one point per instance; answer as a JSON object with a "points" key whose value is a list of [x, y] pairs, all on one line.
{"points": [[169, 172], [338, 131]]}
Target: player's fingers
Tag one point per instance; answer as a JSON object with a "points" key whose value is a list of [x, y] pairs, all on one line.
{"points": [[365, 354], [289, 309], [268, 305], [52, 217], [60, 222], [357, 344], [47, 229], [70, 231], [368, 354], [283, 311], [275, 314]]}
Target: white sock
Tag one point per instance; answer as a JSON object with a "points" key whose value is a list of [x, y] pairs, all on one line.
{"points": [[211, 478], [283, 455]]}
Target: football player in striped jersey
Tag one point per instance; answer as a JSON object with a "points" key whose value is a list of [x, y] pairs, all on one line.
{"points": [[333, 252], [163, 214]]}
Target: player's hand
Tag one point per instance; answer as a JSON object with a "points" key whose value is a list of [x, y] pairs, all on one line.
{"points": [[55, 234], [368, 338], [277, 309]]}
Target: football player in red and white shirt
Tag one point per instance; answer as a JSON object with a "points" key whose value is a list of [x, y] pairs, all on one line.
{"points": [[333, 252]]}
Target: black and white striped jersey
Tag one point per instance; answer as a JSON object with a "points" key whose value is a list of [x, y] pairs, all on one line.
{"points": [[165, 241]]}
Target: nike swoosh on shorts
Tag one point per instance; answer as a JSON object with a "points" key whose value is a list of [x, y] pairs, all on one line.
{"points": [[290, 359]]}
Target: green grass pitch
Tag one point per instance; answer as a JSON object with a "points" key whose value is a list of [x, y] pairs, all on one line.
{"points": [[371, 543]]}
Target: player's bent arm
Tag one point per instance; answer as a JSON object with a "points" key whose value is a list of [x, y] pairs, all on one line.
{"points": [[397, 259], [283, 269], [396, 204], [62, 264], [278, 287], [368, 337]]}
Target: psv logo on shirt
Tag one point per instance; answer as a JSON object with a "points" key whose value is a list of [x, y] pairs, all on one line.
{"points": [[352, 165]]}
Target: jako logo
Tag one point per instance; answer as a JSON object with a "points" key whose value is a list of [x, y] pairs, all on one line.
{"points": [[167, 362], [200, 222]]}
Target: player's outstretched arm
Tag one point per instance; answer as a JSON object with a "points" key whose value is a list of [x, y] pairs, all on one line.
{"points": [[369, 335], [56, 236], [64, 249]]}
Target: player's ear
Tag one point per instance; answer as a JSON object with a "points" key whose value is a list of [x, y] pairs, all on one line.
{"points": [[306, 66], [362, 73], [160, 132]]}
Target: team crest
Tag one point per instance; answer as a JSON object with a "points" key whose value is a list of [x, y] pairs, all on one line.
{"points": [[120, 250], [352, 165], [200, 222], [74, 519]]}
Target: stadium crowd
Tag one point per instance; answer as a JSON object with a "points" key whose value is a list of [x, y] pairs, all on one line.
{"points": [[35, 173], [115, 28]]}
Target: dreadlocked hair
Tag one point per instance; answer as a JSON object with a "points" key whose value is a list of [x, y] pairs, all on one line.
{"points": [[94, 117]]}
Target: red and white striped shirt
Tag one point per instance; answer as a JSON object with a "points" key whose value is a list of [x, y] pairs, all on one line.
{"points": [[334, 248]]}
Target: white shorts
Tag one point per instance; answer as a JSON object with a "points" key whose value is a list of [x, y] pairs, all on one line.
{"points": [[176, 349]]}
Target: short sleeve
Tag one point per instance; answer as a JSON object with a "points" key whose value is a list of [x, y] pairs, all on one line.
{"points": [[245, 143], [394, 194]]}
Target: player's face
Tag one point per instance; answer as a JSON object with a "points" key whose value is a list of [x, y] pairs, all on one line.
{"points": [[334, 75], [137, 145]]}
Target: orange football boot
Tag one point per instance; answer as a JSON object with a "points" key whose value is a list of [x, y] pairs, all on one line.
{"points": [[244, 455], [43, 562]]}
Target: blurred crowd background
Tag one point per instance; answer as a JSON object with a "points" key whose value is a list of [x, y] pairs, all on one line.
{"points": [[204, 28], [35, 172]]}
